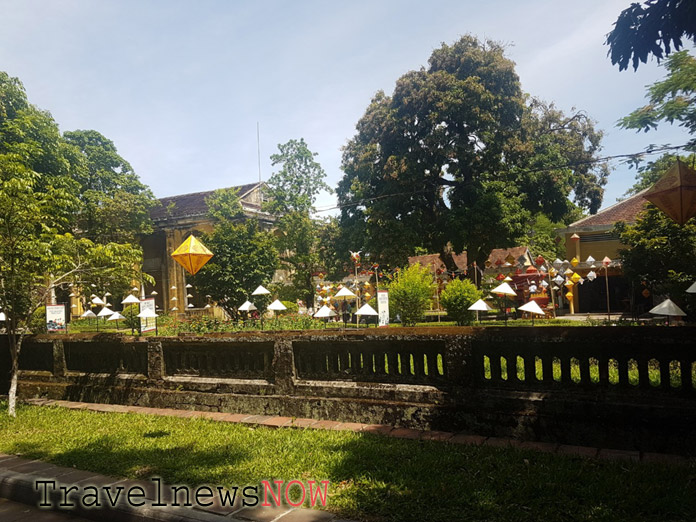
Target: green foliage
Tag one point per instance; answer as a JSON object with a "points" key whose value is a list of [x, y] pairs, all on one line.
{"points": [[295, 186], [115, 205], [245, 257], [291, 193], [660, 254], [37, 321], [457, 297], [224, 205], [671, 100], [291, 306], [410, 292], [654, 28], [458, 142], [39, 173]]}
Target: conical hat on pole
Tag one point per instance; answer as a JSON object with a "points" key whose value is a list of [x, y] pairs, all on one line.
{"points": [[675, 193], [247, 307], [692, 288], [504, 289], [89, 313], [115, 317], [260, 290], [325, 311], [277, 306], [667, 307], [105, 312], [532, 307], [344, 293], [366, 309], [480, 306], [192, 255]]}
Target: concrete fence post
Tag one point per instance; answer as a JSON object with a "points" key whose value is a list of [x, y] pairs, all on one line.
{"points": [[155, 360], [59, 366], [283, 366]]}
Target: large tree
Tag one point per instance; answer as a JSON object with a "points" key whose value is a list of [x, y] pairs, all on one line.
{"points": [[671, 100], [115, 204], [38, 203], [458, 157], [654, 28], [292, 192], [660, 254], [244, 256]]}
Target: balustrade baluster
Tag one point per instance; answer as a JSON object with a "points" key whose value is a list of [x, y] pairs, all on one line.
{"points": [[643, 372], [665, 383], [584, 362], [547, 368]]}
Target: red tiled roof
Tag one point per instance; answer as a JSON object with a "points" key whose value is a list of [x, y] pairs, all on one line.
{"points": [[626, 210], [434, 262], [194, 204], [502, 253]]}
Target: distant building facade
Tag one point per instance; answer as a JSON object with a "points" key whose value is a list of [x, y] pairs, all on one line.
{"points": [[173, 221]]}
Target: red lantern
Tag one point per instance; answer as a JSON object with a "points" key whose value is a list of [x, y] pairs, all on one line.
{"points": [[540, 260]]}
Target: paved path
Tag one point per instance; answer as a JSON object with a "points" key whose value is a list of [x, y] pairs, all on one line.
{"points": [[16, 512], [379, 429]]}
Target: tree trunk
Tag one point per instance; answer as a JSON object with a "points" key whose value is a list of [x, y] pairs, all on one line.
{"points": [[15, 346]]}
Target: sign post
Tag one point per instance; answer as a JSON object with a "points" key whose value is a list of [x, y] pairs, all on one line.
{"points": [[383, 308], [148, 324], [55, 318]]}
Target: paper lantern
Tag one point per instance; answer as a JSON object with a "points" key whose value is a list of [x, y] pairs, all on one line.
{"points": [[568, 272], [558, 279], [675, 193], [575, 277], [589, 260], [540, 260], [646, 293], [575, 237], [500, 277], [192, 255], [557, 264], [569, 296], [569, 284], [544, 284], [606, 261], [591, 275], [532, 289], [575, 261]]}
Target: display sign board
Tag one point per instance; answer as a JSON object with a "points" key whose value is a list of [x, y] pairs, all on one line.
{"points": [[383, 307], [55, 318], [147, 324]]}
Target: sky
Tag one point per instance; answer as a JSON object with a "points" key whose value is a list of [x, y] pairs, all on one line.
{"points": [[180, 86]]}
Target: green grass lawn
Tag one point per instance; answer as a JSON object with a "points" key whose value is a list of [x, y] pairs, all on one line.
{"points": [[372, 477]]}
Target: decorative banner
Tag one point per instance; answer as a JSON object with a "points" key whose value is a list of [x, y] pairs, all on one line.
{"points": [[383, 307], [147, 324], [55, 318]]}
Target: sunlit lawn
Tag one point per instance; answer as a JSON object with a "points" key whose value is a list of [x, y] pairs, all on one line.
{"points": [[371, 477]]}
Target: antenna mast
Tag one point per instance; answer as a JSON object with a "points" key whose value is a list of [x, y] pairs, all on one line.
{"points": [[258, 148]]}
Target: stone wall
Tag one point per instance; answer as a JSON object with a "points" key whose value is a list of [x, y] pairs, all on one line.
{"points": [[617, 387]]}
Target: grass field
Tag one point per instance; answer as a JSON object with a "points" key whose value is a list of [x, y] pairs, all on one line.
{"points": [[372, 477]]}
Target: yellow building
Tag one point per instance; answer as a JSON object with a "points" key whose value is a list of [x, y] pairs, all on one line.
{"points": [[592, 236], [174, 220]]}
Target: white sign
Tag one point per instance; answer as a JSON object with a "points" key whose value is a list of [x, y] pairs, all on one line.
{"points": [[147, 324], [55, 318], [383, 307]]}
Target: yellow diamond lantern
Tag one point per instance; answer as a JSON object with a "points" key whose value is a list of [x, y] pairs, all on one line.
{"points": [[192, 255], [575, 277], [569, 296]]}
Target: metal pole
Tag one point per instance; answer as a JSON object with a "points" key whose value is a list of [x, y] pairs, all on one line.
{"points": [[606, 279]]}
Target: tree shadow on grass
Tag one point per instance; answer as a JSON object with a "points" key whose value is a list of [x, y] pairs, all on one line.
{"points": [[422, 480], [175, 465]]}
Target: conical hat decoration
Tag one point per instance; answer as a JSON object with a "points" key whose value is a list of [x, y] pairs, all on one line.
{"points": [[192, 255], [675, 193]]}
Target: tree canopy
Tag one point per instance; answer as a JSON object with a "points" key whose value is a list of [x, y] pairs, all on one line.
{"points": [[292, 193], [654, 28], [459, 155], [115, 204], [245, 256], [671, 100]]}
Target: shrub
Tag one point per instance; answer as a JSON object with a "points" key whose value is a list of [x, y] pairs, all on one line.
{"points": [[291, 306], [457, 297], [410, 293]]}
